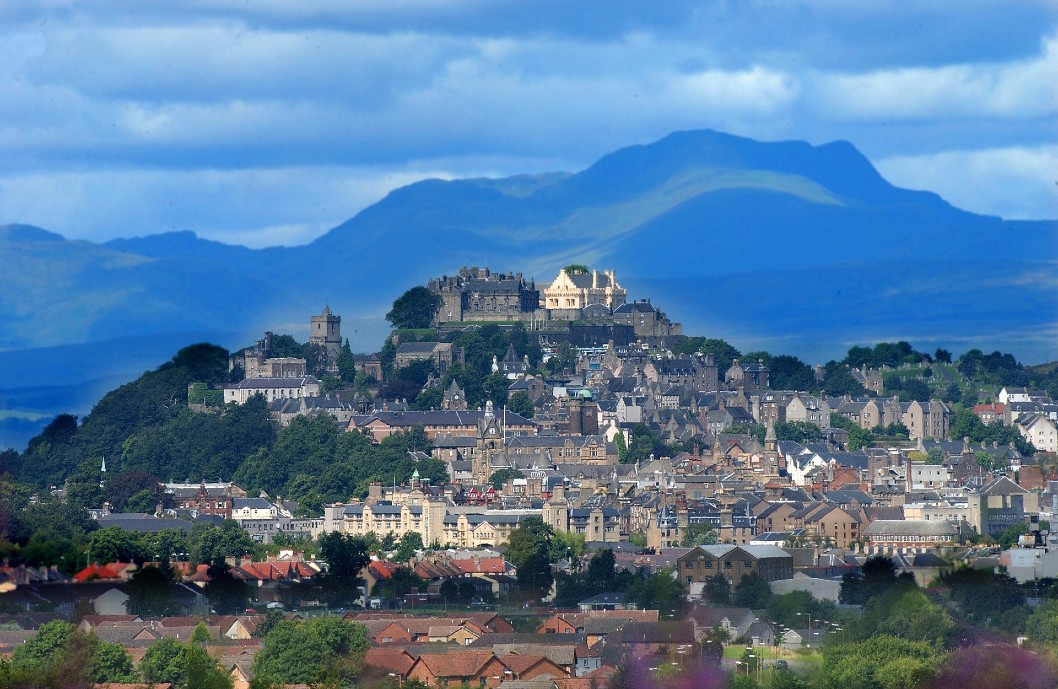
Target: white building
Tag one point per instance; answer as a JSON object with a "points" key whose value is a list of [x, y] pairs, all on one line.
{"points": [[1038, 430], [272, 389]]}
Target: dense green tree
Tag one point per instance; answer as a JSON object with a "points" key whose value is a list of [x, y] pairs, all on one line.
{"points": [[906, 613], [699, 533], [346, 363], [409, 544], [415, 308], [717, 590], [883, 662], [115, 544], [46, 647], [400, 583], [200, 634], [837, 380], [789, 373], [528, 550], [110, 663], [184, 665], [227, 595], [163, 662], [983, 596], [797, 431], [876, 577], [327, 649], [644, 444], [496, 385], [345, 556], [602, 573], [501, 476], [208, 543], [150, 593], [752, 591], [202, 672], [660, 591], [520, 403], [1042, 625], [794, 609]]}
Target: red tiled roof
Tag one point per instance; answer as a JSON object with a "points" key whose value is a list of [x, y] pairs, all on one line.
{"points": [[488, 565], [381, 569], [113, 570], [519, 663], [391, 660], [463, 664]]}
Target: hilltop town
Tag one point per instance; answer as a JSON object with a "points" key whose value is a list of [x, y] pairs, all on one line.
{"points": [[541, 485]]}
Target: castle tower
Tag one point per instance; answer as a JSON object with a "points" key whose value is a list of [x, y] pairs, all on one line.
{"points": [[325, 331]]}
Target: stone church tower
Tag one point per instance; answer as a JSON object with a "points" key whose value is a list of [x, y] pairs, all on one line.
{"points": [[490, 440], [325, 331]]}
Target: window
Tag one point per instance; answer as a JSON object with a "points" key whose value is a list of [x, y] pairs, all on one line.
{"points": [[727, 564]]}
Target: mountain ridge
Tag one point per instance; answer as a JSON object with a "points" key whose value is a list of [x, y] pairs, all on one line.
{"points": [[703, 193]]}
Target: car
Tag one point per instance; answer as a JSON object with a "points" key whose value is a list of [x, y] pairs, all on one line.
{"points": [[275, 605]]}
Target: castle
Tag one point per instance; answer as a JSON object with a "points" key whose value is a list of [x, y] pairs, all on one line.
{"points": [[576, 294], [477, 294]]}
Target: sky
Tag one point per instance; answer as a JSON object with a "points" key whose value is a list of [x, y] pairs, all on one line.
{"points": [[268, 122]]}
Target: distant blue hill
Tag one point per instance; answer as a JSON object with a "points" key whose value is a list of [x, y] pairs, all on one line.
{"points": [[762, 243]]}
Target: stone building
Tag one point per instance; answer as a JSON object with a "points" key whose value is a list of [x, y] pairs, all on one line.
{"points": [[442, 354], [477, 294], [748, 377], [571, 293], [271, 389], [646, 319], [325, 332], [734, 562]]}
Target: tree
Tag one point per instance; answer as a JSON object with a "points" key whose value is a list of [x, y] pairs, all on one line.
{"points": [[876, 578], [346, 557], [520, 403], [602, 571], [528, 550], [415, 308], [660, 591], [883, 662], [400, 583], [110, 663], [500, 477], [699, 533], [150, 593], [718, 590], [202, 672], [200, 634], [327, 649], [162, 662], [409, 544], [227, 595], [752, 591], [46, 648]]}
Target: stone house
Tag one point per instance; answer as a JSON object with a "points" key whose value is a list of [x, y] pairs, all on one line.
{"points": [[442, 354]]}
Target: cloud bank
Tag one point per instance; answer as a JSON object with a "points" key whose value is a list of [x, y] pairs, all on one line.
{"points": [[269, 123]]}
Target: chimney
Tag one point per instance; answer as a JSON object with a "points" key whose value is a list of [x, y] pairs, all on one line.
{"points": [[595, 279]]}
